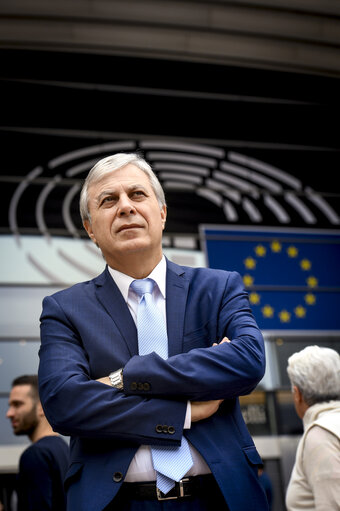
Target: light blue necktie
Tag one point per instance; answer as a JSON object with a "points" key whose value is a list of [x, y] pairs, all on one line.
{"points": [[170, 463]]}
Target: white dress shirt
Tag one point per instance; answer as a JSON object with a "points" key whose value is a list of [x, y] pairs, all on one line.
{"points": [[141, 468]]}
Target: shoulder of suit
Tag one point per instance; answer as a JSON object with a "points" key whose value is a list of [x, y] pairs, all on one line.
{"points": [[80, 287], [191, 271]]}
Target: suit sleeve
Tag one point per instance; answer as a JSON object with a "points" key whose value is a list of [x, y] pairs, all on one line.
{"points": [[214, 372], [77, 405]]}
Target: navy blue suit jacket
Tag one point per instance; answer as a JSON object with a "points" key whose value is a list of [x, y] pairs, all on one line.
{"points": [[87, 331]]}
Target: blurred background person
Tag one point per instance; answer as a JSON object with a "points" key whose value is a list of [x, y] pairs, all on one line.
{"points": [[43, 464], [314, 374]]}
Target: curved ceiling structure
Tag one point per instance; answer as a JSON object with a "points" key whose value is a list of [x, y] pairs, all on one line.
{"points": [[288, 35]]}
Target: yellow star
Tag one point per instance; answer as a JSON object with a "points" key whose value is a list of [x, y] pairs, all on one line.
{"points": [[300, 311], [284, 316], [292, 251], [312, 282], [248, 280], [305, 264], [276, 246], [310, 299], [254, 298], [250, 263], [267, 311], [260, 250]]}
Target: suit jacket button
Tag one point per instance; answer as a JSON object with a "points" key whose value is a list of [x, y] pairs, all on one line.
{"points": [[117, 477], [146, 386], [171, 430], [133, 386], [159, 428], [165, 428], [140, 386]]}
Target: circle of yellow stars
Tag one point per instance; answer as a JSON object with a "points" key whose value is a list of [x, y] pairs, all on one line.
{"points": [[305, 264]]}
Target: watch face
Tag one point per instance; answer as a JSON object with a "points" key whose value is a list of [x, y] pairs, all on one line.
{"points": [[116, 379]]}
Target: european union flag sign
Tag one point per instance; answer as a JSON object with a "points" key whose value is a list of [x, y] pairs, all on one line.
{"points": [[292, 275]]}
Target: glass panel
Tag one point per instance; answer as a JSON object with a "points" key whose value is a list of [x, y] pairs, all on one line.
{"points": [[17, 358]]}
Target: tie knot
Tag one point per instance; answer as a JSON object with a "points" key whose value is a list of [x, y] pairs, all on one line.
{"points": [[142, 286]]}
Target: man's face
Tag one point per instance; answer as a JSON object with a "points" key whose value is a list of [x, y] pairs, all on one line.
{"points": [[22, 410], [125, 215]]}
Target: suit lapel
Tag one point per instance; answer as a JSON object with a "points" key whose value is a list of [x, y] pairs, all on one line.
{"points": [[176, 296], [112, 300]]}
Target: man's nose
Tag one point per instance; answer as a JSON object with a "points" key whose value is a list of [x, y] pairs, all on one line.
{"points": [[125, 206], [9, 413]]}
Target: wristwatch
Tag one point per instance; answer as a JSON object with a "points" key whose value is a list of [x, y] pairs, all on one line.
{"points": [[116, 379]]}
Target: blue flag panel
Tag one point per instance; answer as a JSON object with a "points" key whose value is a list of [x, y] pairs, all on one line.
{"points": [[292, 275]]}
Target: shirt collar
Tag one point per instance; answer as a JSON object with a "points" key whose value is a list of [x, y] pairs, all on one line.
{"points": [[123, 281]]}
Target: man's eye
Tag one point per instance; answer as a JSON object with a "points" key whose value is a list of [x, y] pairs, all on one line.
{"points": [[107, 199]]}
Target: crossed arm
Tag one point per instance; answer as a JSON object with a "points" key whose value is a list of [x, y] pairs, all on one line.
{"points": [[199, 409], [71, 358]]}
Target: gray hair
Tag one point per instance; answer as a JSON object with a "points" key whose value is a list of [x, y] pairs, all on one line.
{"points": [[113, 163], [316, 373]]}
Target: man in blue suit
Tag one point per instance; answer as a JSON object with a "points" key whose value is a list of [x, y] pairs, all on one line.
{"points": [[116, 404]]}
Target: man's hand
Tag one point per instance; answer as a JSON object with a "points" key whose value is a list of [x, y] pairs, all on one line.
{"points": [[203, 409], [225, 339]]}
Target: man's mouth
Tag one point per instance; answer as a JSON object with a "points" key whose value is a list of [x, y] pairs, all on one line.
{"points": [[126, 227]]}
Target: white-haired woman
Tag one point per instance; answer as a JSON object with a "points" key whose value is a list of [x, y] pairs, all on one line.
{"points": [[314, 485]]}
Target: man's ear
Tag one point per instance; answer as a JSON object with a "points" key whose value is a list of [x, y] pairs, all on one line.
{"points": [[297, 394], [299, 402], [40, 410], [163, 215], [88, 229]]}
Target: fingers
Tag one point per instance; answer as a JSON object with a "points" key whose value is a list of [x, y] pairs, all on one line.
{"points": [[225, 339]]}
